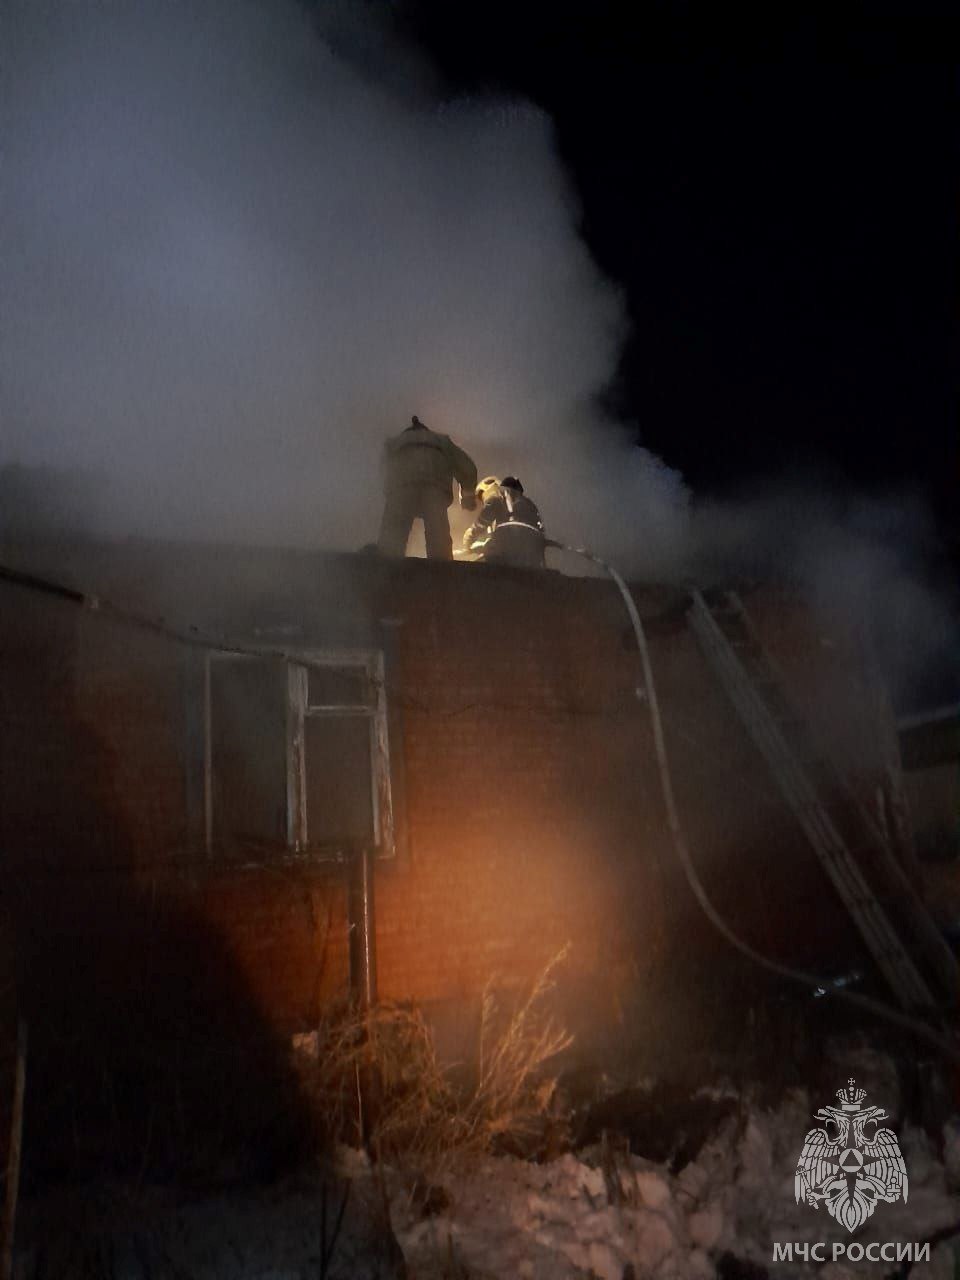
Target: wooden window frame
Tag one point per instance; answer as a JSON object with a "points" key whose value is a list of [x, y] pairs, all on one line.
{"points": [[296, 711]]}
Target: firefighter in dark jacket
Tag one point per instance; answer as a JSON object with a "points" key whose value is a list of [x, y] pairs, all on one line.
{"points": [[420, 467], [508, 528]]}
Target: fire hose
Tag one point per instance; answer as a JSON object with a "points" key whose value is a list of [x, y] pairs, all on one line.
{"points": [[681, 848]]}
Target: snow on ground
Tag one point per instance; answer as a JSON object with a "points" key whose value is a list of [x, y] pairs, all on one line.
{"points": [[594, 1214], [558, 1221]]}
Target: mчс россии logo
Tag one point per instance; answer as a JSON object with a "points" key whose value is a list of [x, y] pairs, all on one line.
{"points": [[850, 1164]]}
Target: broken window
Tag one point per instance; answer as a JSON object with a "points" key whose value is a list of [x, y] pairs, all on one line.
{"points": [[297, 755], [248, 751]]}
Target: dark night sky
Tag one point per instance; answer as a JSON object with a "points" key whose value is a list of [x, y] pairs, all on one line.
{"points": [[779, 203]]}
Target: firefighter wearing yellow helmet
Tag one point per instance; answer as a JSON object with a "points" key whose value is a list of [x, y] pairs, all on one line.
{"points": [[508, 528], [478, 535]]}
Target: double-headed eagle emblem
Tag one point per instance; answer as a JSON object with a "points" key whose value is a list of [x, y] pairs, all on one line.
{"points": [[850, 1164]]}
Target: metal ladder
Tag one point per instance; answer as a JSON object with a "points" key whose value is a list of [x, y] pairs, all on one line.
{"points": [[753, 683]]}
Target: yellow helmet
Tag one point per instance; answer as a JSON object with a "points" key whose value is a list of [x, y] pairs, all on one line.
{"points": [[488, 488]]}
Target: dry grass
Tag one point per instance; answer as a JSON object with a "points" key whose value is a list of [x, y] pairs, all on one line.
{"points": [[376, 1077], [513, 1092]]}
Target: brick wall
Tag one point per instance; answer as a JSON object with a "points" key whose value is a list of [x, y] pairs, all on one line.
{"points": [[532, 811], [520, 738]]}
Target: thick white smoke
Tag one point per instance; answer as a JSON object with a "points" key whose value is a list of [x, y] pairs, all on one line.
{"points": [[234, 261], [240, 246]]}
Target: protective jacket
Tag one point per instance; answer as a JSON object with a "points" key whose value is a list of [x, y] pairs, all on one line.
{"points": [[420, 467], [419, 458], [515, 531]]}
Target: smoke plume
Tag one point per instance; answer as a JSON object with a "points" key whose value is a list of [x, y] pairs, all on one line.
{"points": [[242, 247], [244, 242]]}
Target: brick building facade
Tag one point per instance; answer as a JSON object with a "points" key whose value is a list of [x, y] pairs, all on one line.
{"points": [[175, 813]]}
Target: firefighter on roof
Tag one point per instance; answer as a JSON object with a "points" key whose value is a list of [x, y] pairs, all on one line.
{"points": [[508, 528], [420, 468]]}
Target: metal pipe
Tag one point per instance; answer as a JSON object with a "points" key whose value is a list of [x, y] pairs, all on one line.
{"points": [[363, 926]]}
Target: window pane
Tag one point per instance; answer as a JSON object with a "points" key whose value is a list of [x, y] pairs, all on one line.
{"points": [[248, 740], [339, 780], [337, 687]]}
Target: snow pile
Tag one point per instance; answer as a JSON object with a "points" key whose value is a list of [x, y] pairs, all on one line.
{"points": [[602, 1214], [546, 1222], [610, 1219]]}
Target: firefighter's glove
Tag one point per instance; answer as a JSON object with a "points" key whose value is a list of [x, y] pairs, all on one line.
{"points": [[468, 501]]}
